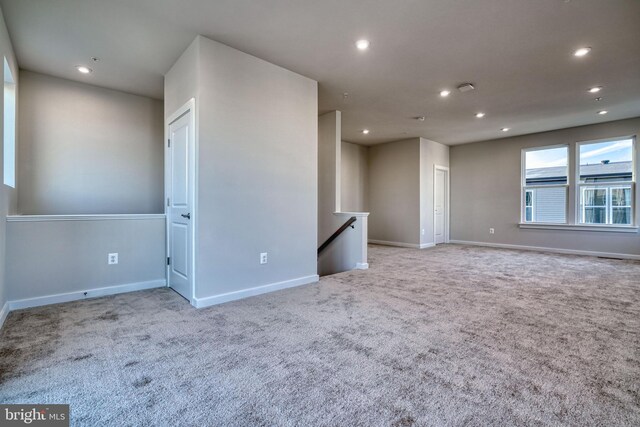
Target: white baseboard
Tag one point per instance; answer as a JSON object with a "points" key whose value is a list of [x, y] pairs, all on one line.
{"points": [[402, 244], [544, 249], [362, 265], [88, 293], [4, 313], [258, 290], [398, 244]]}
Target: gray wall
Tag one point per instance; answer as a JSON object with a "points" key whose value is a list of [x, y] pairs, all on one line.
{"points": [[431, 153], [394, 192], [88, 150], [354, 180], [8, 195], [257, 167], [181, 83], [485, 192], [56, 257]]}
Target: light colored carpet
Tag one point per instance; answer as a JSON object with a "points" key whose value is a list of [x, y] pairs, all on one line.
{"points": [[453, 335]]}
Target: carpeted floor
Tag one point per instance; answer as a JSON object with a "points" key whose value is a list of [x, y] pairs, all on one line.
{"points": [[452, 335]]}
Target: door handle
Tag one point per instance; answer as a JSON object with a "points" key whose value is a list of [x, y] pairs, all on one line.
{"points": [[188, 216]]}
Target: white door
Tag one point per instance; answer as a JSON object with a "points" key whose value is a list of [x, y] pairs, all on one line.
{"points": [[180, 203], [440, 206]]}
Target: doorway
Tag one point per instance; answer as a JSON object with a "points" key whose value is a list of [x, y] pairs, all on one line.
{"points": [[180, 194], [440, 204]]}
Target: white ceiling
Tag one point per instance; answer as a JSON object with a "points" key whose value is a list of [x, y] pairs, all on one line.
{"points": [[518, 53]]}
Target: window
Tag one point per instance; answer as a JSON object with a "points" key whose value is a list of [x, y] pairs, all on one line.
{"points": [[545, 183], [9, 137], [604, 190], [606, 182]]}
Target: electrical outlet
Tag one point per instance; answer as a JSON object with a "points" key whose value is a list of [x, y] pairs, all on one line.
{"points": [[492, 231], [112, 259], [263, 258], [423, 231]]}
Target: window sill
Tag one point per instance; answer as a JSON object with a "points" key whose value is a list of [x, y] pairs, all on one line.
{"points": [[581, 227]]}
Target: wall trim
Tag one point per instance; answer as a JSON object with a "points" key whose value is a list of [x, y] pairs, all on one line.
{"points": [[544, 249], [402, 244], [80, 295], [397, 244], [362, 265], [4, 313], [105, 217], [258, 290]]}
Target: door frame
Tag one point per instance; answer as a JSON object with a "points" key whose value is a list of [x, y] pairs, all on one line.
{"points": [[189, 106], [447, 215]]}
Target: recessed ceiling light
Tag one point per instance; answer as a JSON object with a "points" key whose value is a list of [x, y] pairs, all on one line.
{"points": [[479, 115], [582, 51], [602, 112], [505, 129], [445, 93], [365, 131], [598, 99], [595, 89], [83, 69], [362, 44]]}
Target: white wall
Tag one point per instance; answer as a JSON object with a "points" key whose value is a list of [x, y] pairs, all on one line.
{"points": [[485, 192], [394, 192], [88, 150], [354, 179], [257, 168], [431, 154], [51, 258], [8, 195]]}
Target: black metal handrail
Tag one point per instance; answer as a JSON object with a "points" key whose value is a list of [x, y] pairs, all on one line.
{"points": [[335, 235]]}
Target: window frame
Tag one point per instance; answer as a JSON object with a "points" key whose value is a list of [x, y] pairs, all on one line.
{"points": [[524, 187], [579, 211]]}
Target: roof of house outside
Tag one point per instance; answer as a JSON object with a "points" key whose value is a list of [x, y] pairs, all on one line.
{"points": [[596, 169]]}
